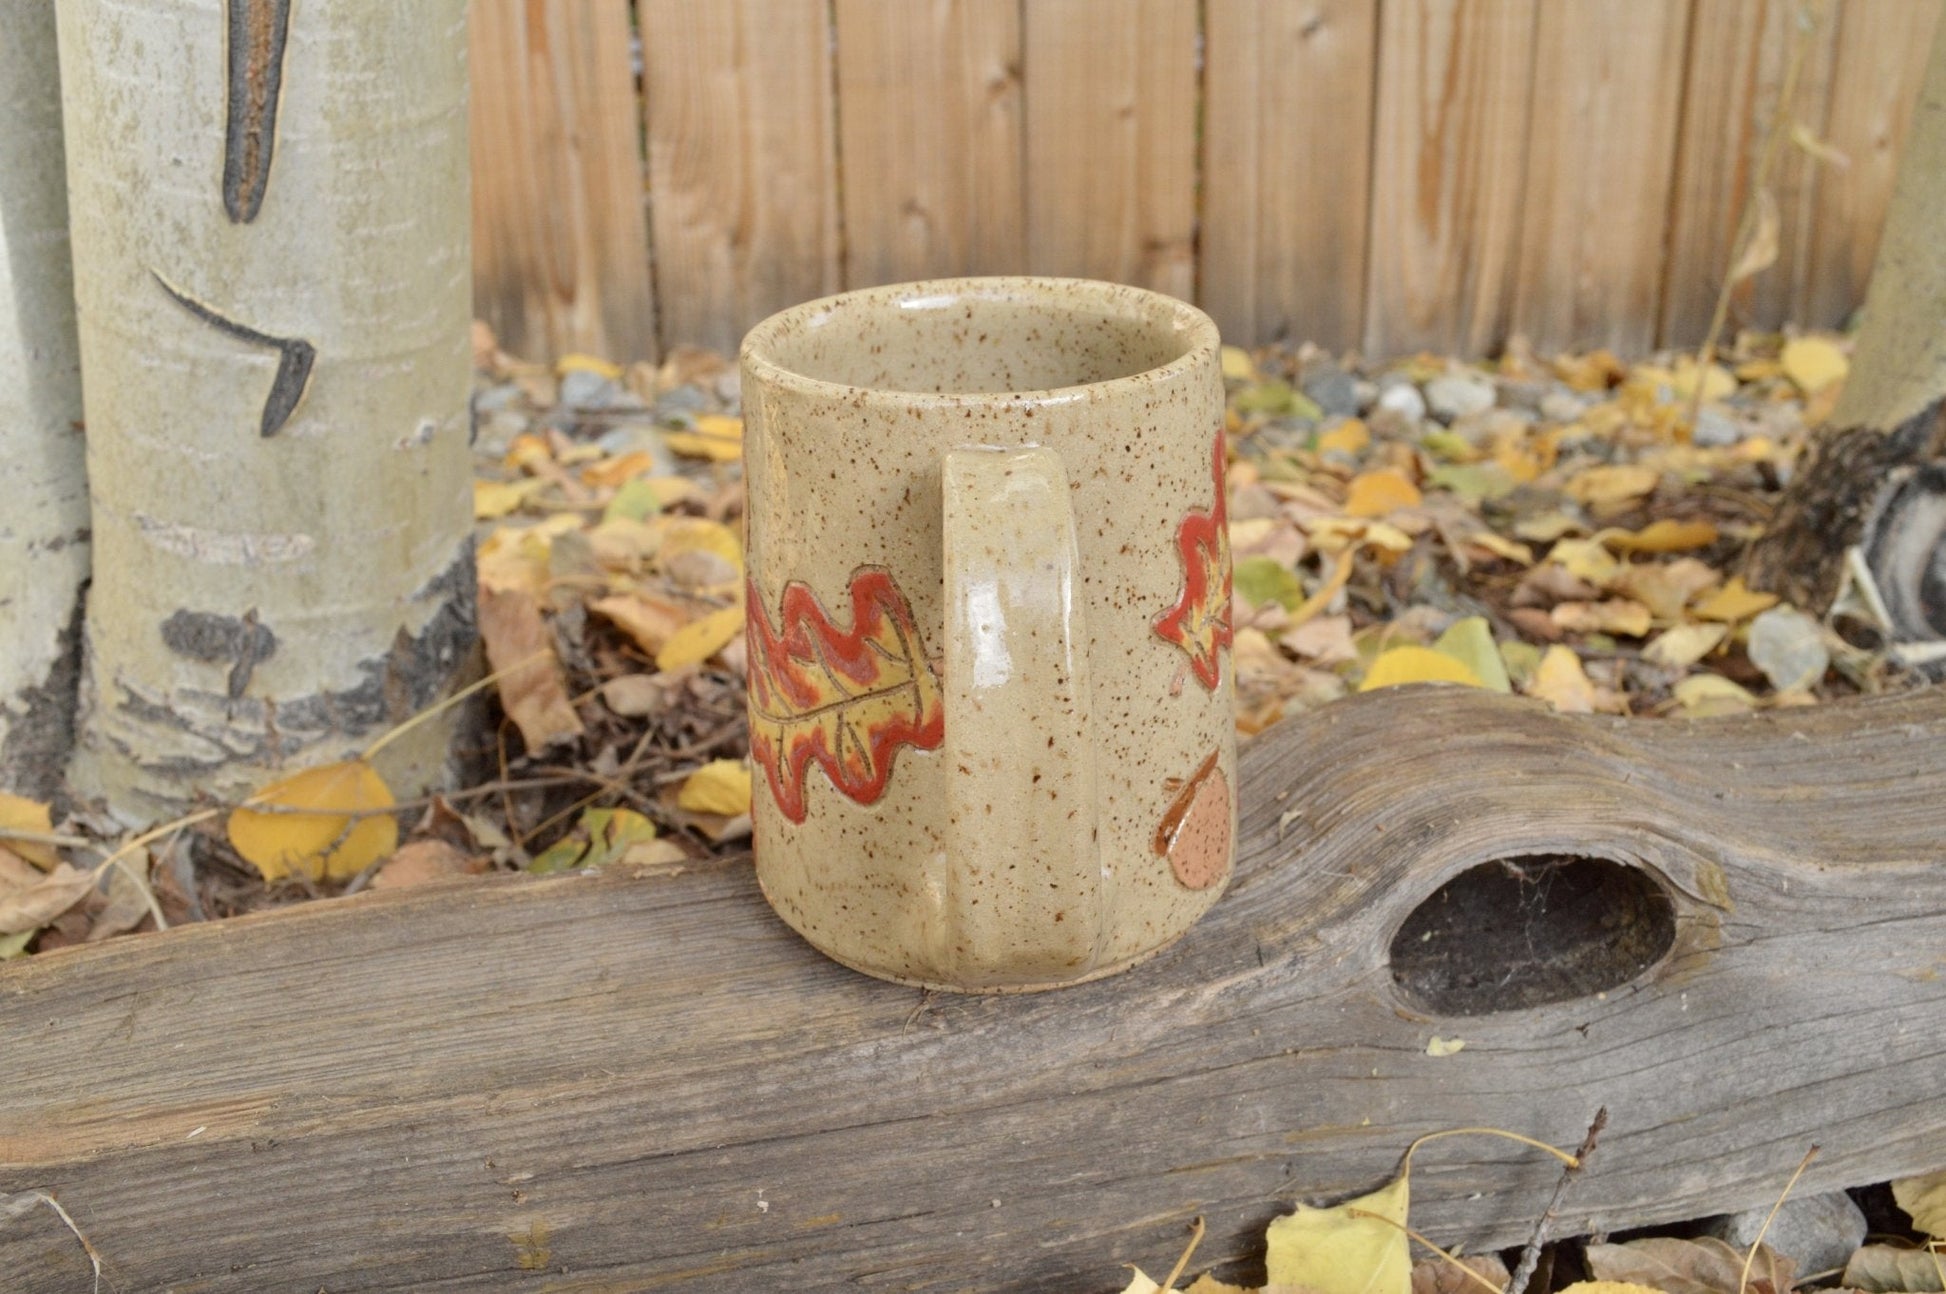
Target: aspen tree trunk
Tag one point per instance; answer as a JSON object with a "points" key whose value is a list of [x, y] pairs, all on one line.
{"points": [[1876, 477], [269, 201], [43, 485]]}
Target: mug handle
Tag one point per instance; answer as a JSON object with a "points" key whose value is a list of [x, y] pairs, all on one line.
{"points": [[1022, 877]]}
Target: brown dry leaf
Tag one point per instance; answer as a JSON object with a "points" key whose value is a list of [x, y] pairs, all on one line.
{"points": [[1706, 1266], [1924, 1200], [611, 473], [634, 695], [1883, 1269], [1619, 484], [1443, 1276], [127, 902], [1667, 587], [533, 690], [32, 906], [649, 620], [1325, 640], [1596, 371], [1734, 602], [425, 861], [1614, 616], [1562, 682], [1665, 536], [342, 831], [1379, 493], [22, 814]]}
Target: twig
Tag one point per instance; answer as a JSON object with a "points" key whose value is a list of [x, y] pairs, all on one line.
{"points": [[1530, 1257], [1453, 1258], [12, 1206], [1195, 1238], [1743, 1278]]}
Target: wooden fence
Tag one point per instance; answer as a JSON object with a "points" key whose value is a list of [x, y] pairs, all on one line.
{"points": [[1392, 175]]}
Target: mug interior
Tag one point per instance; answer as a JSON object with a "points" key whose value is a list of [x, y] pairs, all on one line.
{"points": [[981, 336]]}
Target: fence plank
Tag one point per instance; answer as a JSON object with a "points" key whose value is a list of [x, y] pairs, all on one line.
{"points": [[1111, 140], [560, 234], [743, 176], [1600, 151], [1881, 54], [1737, 59], [1287, 167], [1449, 152], [930, 132]]}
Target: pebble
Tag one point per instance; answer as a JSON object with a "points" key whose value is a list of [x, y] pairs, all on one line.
{"points": [[1817, 1232], [1454, 395], [494, 433], [687, 398], [1714, 429], [1331, 388], [1403, 398], [583, 389]]}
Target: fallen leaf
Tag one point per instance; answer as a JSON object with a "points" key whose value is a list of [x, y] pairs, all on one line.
{"points": [[601, 837], [1883, 1269], [1587, 560], [1813, 363], [127, 904], [1264, 580], [1788, 646], [15, 945], [651, 621], [700, 639], [1208, 1284], [1560, 681], [1608, 485], [28, 908], [634, 695], [634, 500], [1924, 1200], [1757, 245], [1416, 665], [19, 813], [1470, 642], [1379, 493], [533, 689], [1684, 645], [1666, 587], [1445, 1046], [328, 842], [1718, 382], [1702, 696], [495, 499], [1237, 365], [1496, 546], [720, 786], [1340, 1251], [717, 437], [424, 861], [1613, 616], [1351, 436], [576, 362], [612, 473], [1706, 1266], [1323, 640], [1665, 536], [1734, 602], [1604, 1287], [1445, 1276]]}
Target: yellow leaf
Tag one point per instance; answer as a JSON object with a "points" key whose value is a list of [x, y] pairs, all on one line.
{"points": [[1667, 587], [1562, 683], [1924, 1200], [1445, 1046], [1613, 616], [1684, 645], [579, 363], [651, 621], [717, 437], [1142, 1282], [1335, 534], [1586, 559], [1734, 602], [528, 453], [1208, 1284], [1501, 547], [1416, 665], [22, 814], [495, 499], [327, 843], [1470, 642], [1609, 1287], [1814, 363], [701, 639], [1339, 1250], [1664, 536], [1702, 695], [610, 472], [1374, 494], [600, 838], [1237, 365], [699, 534], [1349, 437], [720, 786], [1718, 382], [1612, 484]]}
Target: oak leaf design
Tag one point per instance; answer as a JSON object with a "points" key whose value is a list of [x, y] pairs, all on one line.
{"points": [[1199, 622], [844, 699]]}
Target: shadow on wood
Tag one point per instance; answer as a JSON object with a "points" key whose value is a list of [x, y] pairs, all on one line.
{"points": [[644, 1082]]}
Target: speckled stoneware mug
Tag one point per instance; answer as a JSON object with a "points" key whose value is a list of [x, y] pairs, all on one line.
{"points": [[989, 627]]}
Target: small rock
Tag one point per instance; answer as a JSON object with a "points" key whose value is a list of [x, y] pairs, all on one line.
{"points": [[1402, 397], [1331, 388], [495, 433], [584, 389], [1523, 394], [1714, 429], [687, 398], [1561, 404], [1454, 395], [1817, 1232], [495, 398]]}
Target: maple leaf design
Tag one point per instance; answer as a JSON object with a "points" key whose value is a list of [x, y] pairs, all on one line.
{"points": [[1199, 622], [843, 699]]}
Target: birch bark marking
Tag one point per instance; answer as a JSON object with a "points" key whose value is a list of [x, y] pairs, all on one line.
{"points": [[44, 529], [277, 379]]}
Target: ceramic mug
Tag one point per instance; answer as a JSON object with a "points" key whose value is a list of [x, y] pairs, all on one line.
{"points": [[989, 627]]}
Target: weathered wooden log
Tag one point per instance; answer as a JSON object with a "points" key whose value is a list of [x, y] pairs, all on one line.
{"points": [[646, 1082]]}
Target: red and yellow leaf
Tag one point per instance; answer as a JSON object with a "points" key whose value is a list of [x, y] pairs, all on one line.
{"points": [[1199, 622]]}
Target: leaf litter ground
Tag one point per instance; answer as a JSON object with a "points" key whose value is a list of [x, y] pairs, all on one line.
{"points": [[1560, 527]]}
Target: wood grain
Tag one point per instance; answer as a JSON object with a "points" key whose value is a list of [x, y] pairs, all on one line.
{"points": [[743, 175], [1601, 148], [1738, 55], [1881, 55], [560, 226], [1111, 141], [1449, 154], [647, 1082], [931, 136], [1287, 168]]}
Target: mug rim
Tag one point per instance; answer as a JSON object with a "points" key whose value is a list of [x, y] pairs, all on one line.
{"points": [[1145, 306]]}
